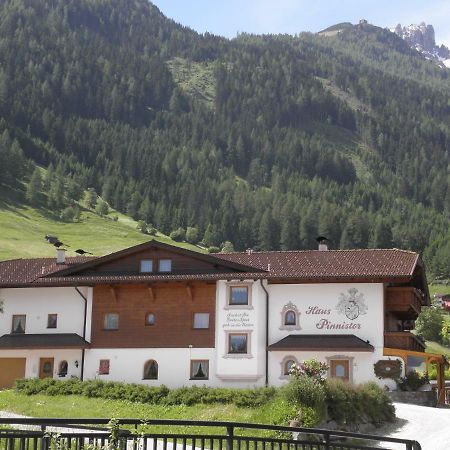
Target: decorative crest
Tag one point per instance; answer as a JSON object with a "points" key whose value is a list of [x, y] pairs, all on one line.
{"points": [[352, 304]]}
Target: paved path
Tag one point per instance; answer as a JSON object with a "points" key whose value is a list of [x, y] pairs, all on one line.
{"points": [[429, 426]]}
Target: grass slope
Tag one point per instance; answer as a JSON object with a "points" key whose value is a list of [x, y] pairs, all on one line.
{"points": [[23, 227], [75, 406]]}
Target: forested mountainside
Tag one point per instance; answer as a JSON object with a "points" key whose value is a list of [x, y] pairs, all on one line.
{"points": [[265, 141]]}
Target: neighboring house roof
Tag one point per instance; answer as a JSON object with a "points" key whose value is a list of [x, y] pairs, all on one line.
{"points": [[53, 340], [322, 342], [369, 265]]}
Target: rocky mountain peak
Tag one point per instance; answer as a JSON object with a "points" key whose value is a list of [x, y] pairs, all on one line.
{"points": [[422, 38]]}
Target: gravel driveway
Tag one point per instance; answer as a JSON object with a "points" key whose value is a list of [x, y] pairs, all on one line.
{"points": [[429, 426]]}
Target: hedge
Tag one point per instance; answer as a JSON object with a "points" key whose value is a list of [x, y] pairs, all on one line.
{"points": [[146, 394]]}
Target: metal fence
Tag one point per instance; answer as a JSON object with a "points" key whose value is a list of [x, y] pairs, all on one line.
{"points": [[135, 434]]}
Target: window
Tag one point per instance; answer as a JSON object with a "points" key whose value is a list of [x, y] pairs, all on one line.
{"points": [[62, 369], [150, 319], [288, 366], [237, 343], [165, 265], [238, 295], [146, 266], [18, 323], [151, 370], [290, 318], [199, 369], [111, 321], [201, 320], [52, 320], [103, 367]]}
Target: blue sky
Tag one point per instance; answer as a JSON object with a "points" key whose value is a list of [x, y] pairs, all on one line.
{"points": [[228, 17]]}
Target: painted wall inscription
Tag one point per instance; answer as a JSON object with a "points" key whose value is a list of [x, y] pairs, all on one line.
{"points": [[236, 319]]}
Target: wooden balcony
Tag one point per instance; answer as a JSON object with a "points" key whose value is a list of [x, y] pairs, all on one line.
{"points": [[404, 302], [403, 340]]}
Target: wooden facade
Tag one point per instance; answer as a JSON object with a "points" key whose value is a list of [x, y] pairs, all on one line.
{"points": [[173, 306]]}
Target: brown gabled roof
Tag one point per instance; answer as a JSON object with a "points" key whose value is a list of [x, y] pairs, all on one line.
{"points": [[318, 342], [210, 258], [16, 272], [315, 264], [370, 265]]}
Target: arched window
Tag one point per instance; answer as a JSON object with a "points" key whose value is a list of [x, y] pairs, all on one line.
{"points": [[290, 318], [151, 370], [288, 365], [62, 369]]}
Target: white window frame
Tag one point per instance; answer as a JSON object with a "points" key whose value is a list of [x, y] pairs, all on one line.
{"points": [[247, 355], [248, 286]]}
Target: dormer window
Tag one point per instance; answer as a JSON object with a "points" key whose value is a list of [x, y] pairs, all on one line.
{"points": [[146, 266], [165, 265]]}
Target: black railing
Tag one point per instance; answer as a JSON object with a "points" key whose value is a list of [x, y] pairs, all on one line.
{"points": [[135, 434]]}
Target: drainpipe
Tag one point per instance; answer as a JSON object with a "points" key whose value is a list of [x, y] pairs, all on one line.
{"points": [[84, 332], [267, 332]]}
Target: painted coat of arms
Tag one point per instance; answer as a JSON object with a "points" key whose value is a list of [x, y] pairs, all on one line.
{"points": [[352, 304]]}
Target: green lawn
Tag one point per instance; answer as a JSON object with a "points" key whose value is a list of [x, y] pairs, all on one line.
{"points": [[74, 406], [23, 228], [435, 347]]}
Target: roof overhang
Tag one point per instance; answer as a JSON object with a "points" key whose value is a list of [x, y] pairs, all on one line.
{"points": [[322, 342], [39, 341]]}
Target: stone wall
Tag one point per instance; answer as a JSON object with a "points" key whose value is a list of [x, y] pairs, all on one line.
{"points": [[422, 398]]}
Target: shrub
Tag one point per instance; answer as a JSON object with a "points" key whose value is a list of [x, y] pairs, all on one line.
{"points": [[310, 368], [305, 391], [309, 417], [192, 235], [412, 381], [213, 249], [178, 235], [342, 405], [146, 394], [429, 324], [347, 403]]}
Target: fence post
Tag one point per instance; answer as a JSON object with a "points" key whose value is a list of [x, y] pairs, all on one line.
{"points": [[327, 441], [230, 435]]}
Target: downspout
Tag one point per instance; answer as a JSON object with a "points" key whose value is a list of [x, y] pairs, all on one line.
{"points": [[84, 332], [267, 332]]}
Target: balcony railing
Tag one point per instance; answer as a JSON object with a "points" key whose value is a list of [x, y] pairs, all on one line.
{"points": [[404, 301], [403, 340]]}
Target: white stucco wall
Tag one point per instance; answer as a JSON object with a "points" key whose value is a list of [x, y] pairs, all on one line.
{"points": [[37, 303], [239, 369], [317, 305], [127, 365], [33, 357]]}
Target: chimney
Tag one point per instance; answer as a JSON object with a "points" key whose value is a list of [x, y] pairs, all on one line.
{"points": [[60, 256], [323, 243]]}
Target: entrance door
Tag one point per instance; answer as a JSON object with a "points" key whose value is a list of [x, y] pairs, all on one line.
{"points": [[46, 367], [340, 368]]}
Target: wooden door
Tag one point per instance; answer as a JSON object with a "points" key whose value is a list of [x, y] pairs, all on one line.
{"points": [[10, 370], [46, 367], [340, 368]]}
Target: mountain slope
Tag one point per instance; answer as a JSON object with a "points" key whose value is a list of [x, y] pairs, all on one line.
{"points": [[266, 141]]}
